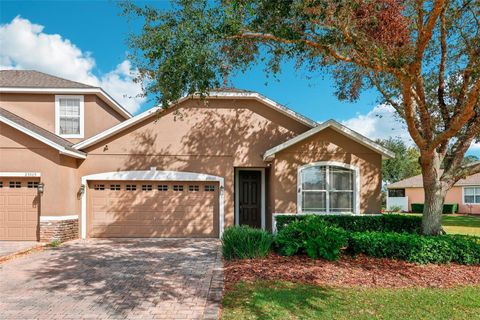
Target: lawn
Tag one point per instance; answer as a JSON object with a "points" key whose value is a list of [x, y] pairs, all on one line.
{"points": [[460, 224], [285, 300]]}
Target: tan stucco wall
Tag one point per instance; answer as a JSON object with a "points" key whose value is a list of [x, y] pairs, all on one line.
{"points": [[40, 110], [21, 153], [454, 195], [212, 139], [327, 145]]}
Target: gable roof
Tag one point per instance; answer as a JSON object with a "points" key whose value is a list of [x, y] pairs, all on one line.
{"points": [[386, 154], [35, 79], [224, 94], [31, 81], [45, 136], [417, 182]]}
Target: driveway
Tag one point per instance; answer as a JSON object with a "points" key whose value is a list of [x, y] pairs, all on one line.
{"points": [[115, 279], [10, 247]]}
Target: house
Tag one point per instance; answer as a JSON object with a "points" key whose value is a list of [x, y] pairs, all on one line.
{"points": [[465, 193], [74, 162]]}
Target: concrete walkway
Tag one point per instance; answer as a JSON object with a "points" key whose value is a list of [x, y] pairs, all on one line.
{"points": [[115, 279], [10, 247]]}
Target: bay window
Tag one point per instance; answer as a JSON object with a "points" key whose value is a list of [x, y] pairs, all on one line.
{"points": [[327, 188]]}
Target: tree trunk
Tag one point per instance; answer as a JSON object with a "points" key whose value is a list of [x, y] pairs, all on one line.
{"points": [[433, 209], [435, 191]]}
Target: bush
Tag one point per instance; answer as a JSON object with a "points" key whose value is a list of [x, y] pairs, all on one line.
{"points": [[313, 236], [243, 242], [416, 248], [447, 208], [385, 222]]}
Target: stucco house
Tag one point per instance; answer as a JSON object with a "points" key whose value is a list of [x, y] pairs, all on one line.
{"points": [[465, 193], [75, 163]]}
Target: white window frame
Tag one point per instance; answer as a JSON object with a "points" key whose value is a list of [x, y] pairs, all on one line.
{"points": [[474, 195], [356, 185], [57, 116]]}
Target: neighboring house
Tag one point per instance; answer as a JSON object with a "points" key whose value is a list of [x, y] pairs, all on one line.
{"points": [[465, 193], [72, 159]]}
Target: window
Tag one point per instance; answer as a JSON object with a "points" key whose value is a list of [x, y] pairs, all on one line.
{"points": [[99, 187], [131, 187], [15, 184], [69, 116], [326, 188], [177, 188], [115, 187], [32, 184], [146, 187], [1, 184], [193, 188], [396, 193], [209, 188], [162, 187], [471, 195]]}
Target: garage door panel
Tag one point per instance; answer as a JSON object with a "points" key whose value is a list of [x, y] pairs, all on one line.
{"points": [[154, 211]]}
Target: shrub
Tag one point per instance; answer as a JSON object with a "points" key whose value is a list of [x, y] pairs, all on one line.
{"points": [[314, 237], [416, 248], [243, 242], [385, 222], [447, 207]]}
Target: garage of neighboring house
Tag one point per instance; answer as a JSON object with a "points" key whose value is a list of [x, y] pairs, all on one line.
{"points": [[152, 208], [19, 208]]}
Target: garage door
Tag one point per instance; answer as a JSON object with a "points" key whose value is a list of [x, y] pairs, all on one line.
{"points": [[152, 209], [19, 209]]}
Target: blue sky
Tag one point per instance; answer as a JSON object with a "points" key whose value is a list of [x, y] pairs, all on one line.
{"points": [[91, 37]]}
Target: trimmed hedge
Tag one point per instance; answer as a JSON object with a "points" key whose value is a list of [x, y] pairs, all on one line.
{"points": [[447, 208], [384, 223], [243, 242], [312, 236], [416, 248]]}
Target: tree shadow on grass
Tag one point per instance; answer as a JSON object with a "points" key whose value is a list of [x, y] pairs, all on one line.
{"points": [[279, 300]]}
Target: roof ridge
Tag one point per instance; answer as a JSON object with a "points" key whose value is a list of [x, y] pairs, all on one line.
{"points": [[54, 76]]}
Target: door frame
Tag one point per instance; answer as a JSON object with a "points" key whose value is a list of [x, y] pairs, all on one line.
{"points": [[262, 194], [153, 175]]}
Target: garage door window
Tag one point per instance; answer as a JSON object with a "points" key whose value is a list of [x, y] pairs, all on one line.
{"points": [[162, 187], [115, 187], [99, 187], [177, 188], [15, 184], [1, 184], [32, 184], [209, 188], [193, 188], [146, 187], [131, 187]]}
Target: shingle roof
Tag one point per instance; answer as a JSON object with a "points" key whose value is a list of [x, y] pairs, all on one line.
{"points": [[38, 130], [36, 79], [417, 182]]}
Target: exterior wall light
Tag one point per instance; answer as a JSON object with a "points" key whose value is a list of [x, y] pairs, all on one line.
{"points": [[82, 189], [41, 187]]}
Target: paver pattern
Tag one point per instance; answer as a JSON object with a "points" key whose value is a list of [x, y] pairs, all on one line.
{"points": [[115, 279]]}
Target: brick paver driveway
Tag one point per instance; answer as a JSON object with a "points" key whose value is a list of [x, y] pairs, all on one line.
{"points": [[115, 279]]}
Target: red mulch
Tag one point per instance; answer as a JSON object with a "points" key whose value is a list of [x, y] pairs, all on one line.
{"points": [[349, 271]]}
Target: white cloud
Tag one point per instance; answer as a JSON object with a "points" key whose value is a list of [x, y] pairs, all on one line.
{"points": [[382, 123], [24, 45]]}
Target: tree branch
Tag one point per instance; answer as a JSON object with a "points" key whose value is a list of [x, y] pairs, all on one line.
{"points": [[441, 72]]}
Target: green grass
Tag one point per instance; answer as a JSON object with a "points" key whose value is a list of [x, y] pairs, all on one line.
{"points": [[284, 300], [459, 224]]}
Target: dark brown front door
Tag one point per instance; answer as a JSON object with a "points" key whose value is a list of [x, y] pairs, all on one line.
{"points": [[250, 198]]}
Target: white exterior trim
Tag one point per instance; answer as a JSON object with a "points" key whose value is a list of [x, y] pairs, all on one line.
{"points": [[262, 192], [463, 195], [58, 218], [157, 110], [356, 191], [153, 175], [386, 154], [97, 91], [61, 149], [21, 174], [57, 116]]}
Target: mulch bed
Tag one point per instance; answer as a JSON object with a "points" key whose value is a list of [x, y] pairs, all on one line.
{"points": [[350, 271]]}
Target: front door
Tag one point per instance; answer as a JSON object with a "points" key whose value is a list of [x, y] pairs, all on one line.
{"points": [[250, 207]]}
